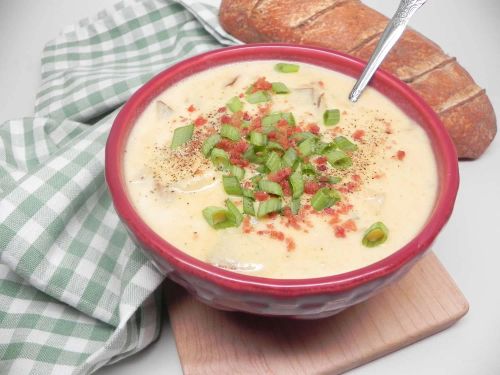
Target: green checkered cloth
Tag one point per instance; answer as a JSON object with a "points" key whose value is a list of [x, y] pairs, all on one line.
{"points": [[76, 293]]}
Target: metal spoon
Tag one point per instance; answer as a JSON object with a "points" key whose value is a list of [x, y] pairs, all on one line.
{"points": [[389, 37]]}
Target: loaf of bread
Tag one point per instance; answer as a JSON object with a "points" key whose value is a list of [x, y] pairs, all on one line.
{"points": [[354, 28]]}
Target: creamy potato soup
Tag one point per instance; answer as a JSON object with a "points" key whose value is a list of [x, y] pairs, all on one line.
{"points": [[265, 168]]}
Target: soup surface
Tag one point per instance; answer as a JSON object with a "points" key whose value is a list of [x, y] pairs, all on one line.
{"points": [[267, 169]]}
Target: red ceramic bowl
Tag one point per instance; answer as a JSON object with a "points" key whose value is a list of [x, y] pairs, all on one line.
{"points": [[298, 298]]}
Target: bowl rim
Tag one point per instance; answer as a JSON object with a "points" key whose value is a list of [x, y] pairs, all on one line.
{"points": [[443, 148]]}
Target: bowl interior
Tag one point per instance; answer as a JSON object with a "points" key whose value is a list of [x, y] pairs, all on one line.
{"points": [[391, 87]]}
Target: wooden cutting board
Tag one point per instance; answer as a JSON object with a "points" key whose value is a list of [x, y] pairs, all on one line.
{"points": [[209, 341]]}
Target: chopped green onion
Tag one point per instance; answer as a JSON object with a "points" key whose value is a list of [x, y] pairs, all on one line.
{"points": [[324, 198], [230, 132], [248, 206], [288, 116], [339, 159], [250, 154], [258, 97], [234, 104], [248, 193], [308, 169], [256, 179], [236, 171], [182, 135], [262, 169], [280, 88], [209, 144], [297, 182], [274, 146], [375, 235], [344, 144], [303, 136], [273, 161], [271, 119], [295, 206], [289, 157], [323, 148], [331, 117], [238, 217], [286, 68], [219, 218], [245, 123], [307, 147], [266, 207], [334, 180], [220, 158], [271, 187], [232, 185], [258, 139]]}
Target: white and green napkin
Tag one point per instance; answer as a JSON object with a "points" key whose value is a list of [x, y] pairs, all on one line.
{"points": [[76, 293]]}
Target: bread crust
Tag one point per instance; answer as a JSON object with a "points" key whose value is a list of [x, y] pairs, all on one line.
{"points": [[352, 27]]}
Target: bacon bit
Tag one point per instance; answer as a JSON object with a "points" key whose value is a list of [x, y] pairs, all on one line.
{"points": [[285, 186], [200, 121], [356, 177], [400, 155], [265, 109], [344, 208], [262, 84], [313, 128], [241, 95], [247, 226], [339, 231], [222, 109], [282, 123], [334, 219], [322, 168], [272, 135], [290, 244], [274, 234], [358, 135], [240, 162], [191, 108], [321, 84], [350, 225], [225, 119], [311, 187], [270, 226], [261, 196], [280, 175], [321, 160], [225, 144], [236, 119], [240, 147], [246, 116]]}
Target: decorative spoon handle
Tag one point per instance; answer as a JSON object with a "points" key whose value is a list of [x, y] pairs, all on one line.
{"points": [[389, 37]]}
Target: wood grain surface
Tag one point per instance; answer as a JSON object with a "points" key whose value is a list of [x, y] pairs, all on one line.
{"points": [[209, 341]]}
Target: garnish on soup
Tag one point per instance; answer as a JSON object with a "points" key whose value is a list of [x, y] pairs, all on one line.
{"points": [[252, 155]]}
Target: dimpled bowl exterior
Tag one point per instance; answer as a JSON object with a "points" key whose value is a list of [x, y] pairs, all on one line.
{"points": [[298, 298]]}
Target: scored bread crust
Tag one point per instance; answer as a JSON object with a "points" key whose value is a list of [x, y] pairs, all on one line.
{"points": [[354, 28]]}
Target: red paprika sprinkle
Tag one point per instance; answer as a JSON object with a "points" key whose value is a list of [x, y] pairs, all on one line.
{"points": [[191, 108], [225, 119], [400, 155]]}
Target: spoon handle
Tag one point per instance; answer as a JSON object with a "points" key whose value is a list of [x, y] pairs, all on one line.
{"points": [[389, 37]]}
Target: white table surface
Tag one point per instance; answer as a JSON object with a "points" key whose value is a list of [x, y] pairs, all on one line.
{"points": [[469, 246]]}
